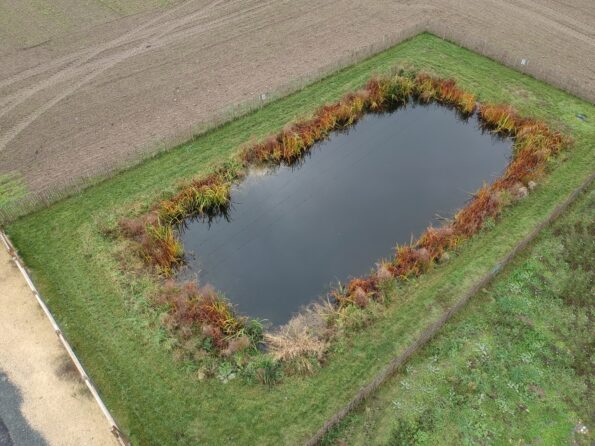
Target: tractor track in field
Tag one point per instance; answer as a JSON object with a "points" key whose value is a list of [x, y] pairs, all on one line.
{"points": [[78, 104]]}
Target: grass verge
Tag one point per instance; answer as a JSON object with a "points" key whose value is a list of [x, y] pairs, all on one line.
{"points": [[117, 334], [514, 367]]}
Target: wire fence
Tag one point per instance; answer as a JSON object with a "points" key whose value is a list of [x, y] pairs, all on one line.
{"points": [[432, 329], [521, 62], [36, 200]]}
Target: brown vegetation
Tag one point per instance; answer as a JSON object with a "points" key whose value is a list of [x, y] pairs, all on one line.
{"points": [[191, 309]]}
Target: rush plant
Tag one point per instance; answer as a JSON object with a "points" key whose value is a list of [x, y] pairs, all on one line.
{"points": [[535, 143], [202, 311]]}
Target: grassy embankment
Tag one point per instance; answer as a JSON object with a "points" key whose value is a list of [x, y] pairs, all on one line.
{"points": [[117, 336], [514, 367]]}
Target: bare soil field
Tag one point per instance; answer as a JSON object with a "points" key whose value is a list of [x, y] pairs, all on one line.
{"points": [[81, 97], [42, 399], [31, 23]]}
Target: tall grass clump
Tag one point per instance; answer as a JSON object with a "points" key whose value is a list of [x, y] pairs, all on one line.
{"points": [[300, 344], [193, 311], [154, 232], [444, 91]]}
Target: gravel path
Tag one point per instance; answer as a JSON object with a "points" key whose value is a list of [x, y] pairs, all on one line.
{"points": [[14, 427]]}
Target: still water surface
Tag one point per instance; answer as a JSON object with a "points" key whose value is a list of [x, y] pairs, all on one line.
{"points": [[293, 232]]}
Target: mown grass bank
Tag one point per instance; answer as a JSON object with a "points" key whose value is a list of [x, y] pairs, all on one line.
{"points": [[514, 367], [117, 336]]}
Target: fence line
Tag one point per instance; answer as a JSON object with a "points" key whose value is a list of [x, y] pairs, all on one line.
{"points": [[36, 200], [434, 327], [519, 62], [114, 429]]}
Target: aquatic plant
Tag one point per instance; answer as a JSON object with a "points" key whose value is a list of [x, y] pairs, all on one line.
{"points": [[534, 145], [154, 232], [437, 241], [425, 88], [410, 261], [198, 197], [162, 247], [359, 291], [157, 244], [191, 309], [445, 91], [201, 310], [501, 118], [484, 205]]}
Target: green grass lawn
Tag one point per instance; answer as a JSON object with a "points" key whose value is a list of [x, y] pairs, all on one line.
{"points": [[105, 313], [514, 367]]}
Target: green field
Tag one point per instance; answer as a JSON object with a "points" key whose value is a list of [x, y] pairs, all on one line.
{"points": [[106, 316], [514, 367]]}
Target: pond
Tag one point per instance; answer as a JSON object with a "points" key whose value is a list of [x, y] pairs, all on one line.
{"points": [[293, 232]]}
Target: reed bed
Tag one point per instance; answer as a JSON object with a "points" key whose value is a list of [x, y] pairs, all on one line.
{"points": [[191, 309], [535, 144]]}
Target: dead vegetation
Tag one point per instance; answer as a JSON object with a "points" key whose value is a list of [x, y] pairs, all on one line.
{"points": [[302, 342]]}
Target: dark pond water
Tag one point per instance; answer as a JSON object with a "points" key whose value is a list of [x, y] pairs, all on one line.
{"points": [[292, 233]]}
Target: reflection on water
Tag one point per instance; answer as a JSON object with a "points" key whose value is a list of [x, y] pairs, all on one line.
{"points": [[292, 233]]}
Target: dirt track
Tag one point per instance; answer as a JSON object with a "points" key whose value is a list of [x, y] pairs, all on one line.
{"points": [[93, 98], [42, 400]]}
